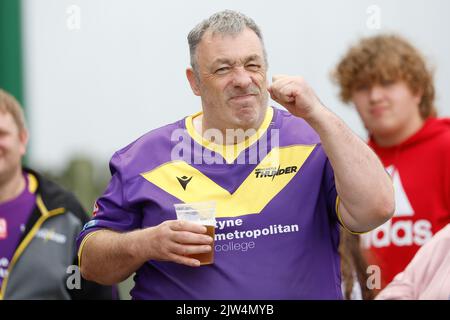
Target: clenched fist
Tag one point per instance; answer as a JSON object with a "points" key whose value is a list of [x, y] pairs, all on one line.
{"points": [[295, 95]]}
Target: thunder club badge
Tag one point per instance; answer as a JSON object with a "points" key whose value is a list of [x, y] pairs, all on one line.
{"points": [[3, 229]]}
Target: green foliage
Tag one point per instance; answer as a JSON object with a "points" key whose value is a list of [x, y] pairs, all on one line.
{"points": [[84, 178]]}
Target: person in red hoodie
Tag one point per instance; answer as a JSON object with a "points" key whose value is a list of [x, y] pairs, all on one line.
{"points": [[391, 86]]}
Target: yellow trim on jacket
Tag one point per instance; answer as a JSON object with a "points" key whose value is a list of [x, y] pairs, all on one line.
{"points": [[45, 214]]}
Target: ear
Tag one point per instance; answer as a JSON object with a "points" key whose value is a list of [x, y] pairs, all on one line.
{"points": [[418, 96], [193, 81], [23, 138]]}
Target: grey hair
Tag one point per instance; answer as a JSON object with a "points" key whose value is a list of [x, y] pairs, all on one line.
{"points": [[223, 22]]}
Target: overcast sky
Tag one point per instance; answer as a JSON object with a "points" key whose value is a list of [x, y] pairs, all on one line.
{"points": [[100, 73]]}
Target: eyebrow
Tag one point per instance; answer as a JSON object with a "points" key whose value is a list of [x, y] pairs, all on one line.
{"points": [[253, 57], [221, 61], [230, 62]]}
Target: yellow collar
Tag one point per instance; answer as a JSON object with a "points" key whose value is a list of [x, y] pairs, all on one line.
{"points": [[232, 151], [32, 183]]}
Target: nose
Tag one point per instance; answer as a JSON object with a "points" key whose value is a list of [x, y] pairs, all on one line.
{"points": [[241, 78], [376, 93]]}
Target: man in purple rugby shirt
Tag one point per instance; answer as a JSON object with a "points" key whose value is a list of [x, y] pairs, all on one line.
{"points": [[278, 209]]}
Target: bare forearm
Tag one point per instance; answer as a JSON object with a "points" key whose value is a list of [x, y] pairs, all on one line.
{"points": [[363, 185], [109, 257]]}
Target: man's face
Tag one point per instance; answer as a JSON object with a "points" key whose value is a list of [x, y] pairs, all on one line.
{"points": [[387, 109], [12, 146], [232, 79]]}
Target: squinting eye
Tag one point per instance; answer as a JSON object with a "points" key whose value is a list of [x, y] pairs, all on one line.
{"points": [[253, 67], [222, 70]]}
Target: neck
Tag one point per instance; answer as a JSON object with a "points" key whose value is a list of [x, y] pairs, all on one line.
{"points": [[202, 124], [393, 139], [12, 187]]}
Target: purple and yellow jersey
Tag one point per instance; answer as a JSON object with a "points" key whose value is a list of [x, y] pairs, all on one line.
{"points": [[277, 232], [14, 215]]}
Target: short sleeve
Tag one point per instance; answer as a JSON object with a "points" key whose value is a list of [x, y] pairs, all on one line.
{"points": [[111, 210], [333, 199]]}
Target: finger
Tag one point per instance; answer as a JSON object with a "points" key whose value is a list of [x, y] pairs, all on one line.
{"points": [[187, 250], [281, 83], [287, 92], [179, 225], [288, 105], [278, 77], [184, 260], [185, 237], [283, 92]]}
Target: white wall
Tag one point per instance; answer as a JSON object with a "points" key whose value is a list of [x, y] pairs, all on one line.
{"points": [[95, 89]]}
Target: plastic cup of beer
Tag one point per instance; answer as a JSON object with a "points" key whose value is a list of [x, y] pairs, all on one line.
{"points": [[203, 213]]}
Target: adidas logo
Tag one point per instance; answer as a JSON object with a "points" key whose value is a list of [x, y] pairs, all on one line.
{"points": [[404, 232], [400, 233], [184, 181], [403, 206]]}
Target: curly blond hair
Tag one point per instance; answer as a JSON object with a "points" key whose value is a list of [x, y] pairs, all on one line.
{"points": [[384, 58]]}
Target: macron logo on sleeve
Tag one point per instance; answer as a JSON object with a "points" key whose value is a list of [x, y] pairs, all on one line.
{"points": [[89, 225]]}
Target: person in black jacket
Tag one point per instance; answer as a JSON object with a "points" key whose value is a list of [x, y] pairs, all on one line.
{"points": [[39, 222]]}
